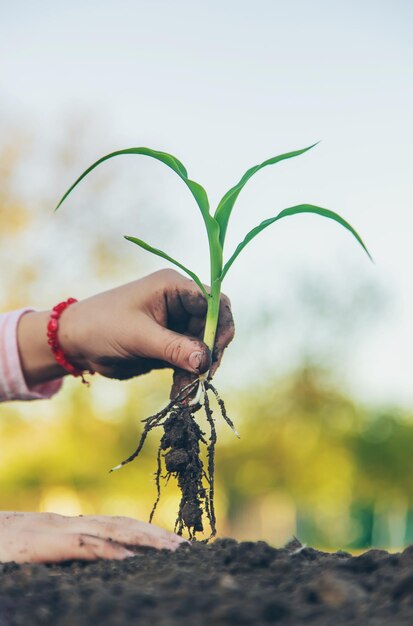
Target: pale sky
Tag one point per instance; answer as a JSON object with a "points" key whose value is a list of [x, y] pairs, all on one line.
{"points": [[225, 85]]}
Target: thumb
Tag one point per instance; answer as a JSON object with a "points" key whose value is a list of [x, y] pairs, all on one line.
{"points": [[181, 351]]}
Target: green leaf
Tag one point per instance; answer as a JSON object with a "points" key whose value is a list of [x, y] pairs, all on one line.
{"points": [[226, 204], [197, 191], [300, 208], [162, 254]]}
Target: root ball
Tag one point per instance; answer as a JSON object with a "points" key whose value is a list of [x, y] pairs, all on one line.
{"points": [[176, 460], [192, 516]]}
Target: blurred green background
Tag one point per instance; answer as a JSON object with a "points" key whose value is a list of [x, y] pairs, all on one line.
{"points": [[318, 379]]}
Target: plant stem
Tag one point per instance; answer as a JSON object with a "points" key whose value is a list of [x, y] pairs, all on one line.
{"points": [[212, 318]]}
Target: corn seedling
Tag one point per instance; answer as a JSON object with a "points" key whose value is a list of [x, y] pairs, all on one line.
{"points": [[180, 443]]}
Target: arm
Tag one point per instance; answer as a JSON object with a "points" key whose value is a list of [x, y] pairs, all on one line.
{"points": [[13, 384]]}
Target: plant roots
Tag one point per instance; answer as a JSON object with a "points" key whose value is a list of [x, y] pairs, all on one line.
{"points": [[179, 450]]}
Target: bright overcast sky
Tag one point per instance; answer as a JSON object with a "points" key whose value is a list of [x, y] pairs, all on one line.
{"points": [[226, 84]]}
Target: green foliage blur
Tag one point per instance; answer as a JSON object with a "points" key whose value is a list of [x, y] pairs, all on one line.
{"points": [[310, 462]]}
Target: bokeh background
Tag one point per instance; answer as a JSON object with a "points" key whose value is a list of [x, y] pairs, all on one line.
{"points": [[320, 377]]}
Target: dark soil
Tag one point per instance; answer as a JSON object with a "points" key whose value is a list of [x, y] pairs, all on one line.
{"points": [[223, 583]]}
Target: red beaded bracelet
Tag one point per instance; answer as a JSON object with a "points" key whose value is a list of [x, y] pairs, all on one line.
{"points": [[53, 340]]}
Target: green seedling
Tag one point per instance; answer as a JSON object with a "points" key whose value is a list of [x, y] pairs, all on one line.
{"points": [[182, 435]]}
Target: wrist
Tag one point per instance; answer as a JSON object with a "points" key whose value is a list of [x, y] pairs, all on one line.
{"points": [[71, 322], [37, 361]]}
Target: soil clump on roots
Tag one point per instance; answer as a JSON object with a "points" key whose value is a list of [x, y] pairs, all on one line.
{"points": [[180, 453], [223, 583]]}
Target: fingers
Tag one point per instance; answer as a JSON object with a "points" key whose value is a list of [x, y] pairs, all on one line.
{"points": [[121, 529], [28, 546], [187, 309], [82, 546], [123, 368], [179, 350], [127, 531], [51, 538], [184, 298], [224, 336]]}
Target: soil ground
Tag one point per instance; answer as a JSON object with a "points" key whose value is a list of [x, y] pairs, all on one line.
{"points": [[223, 583]]}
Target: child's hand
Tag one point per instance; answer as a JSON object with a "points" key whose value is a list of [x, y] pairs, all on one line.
{"points": [[151, 323], [50, 538]]}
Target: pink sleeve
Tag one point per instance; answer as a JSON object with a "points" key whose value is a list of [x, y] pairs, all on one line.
{"points": [[12, 383]]}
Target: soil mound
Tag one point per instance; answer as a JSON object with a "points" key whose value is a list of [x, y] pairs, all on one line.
{"points": [[223, 583]]}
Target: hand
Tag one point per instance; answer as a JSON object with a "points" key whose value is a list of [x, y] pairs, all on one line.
{"points": [[151, 323], [51, 538]]}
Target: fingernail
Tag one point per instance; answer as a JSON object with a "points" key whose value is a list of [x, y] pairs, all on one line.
{"points": [[127, 554], [195, 360]]}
